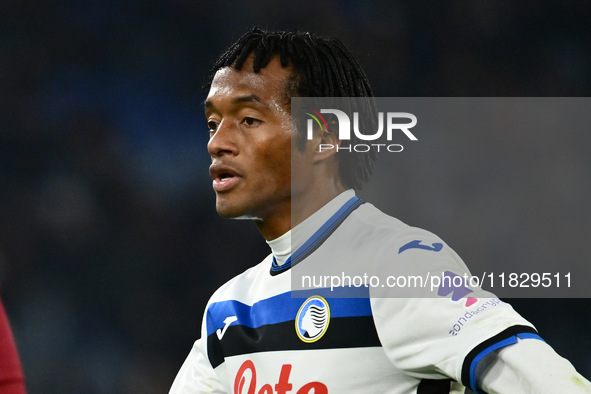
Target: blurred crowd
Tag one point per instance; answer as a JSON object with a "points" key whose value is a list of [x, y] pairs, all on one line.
{"points": [[109, 242]]}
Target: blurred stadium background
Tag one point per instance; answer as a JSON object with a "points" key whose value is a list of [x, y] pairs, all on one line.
{"points": [[109, 242]]}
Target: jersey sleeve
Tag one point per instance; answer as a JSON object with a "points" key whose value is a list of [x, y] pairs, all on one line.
{"points": [[197, 375], [439, 329], [529, 366]]}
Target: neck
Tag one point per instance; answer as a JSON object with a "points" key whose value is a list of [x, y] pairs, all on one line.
{"points": [[299, 209], [283, 246]]}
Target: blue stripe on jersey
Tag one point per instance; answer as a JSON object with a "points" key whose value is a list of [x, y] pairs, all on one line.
{"points": [[505, 342], [335, 292], [278, 309], [319, 236]]}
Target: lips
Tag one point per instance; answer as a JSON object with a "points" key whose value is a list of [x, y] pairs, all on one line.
{"points": [[224, 177]]}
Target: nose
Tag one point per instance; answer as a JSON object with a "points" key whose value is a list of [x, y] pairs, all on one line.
{"points": [[222, 141]]}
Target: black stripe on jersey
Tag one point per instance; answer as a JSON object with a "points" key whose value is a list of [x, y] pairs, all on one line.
{"points": [[343, 332], [509, 332], [431, 386]]}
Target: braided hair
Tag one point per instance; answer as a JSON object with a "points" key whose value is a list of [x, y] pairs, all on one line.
{"points": [[323, 67]]}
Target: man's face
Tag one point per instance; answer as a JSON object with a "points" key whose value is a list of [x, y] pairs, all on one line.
{"points": [[250, 141]]}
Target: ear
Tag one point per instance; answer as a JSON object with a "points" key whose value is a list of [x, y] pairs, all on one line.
{"points": [[325, 147]]}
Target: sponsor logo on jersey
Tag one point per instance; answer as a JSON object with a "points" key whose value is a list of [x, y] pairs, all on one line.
{"points": [[227, 321], [464, 319], [246, 382], [416, 244], [455, 285], [312, 319]]}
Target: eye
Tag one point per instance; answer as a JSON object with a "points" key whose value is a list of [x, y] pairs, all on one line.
{"points": [[251, 121], [212, 126]]}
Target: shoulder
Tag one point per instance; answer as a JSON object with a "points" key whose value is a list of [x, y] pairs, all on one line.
{"points": [[240, 287], [371, 223], [372, 244], [371, 228]]}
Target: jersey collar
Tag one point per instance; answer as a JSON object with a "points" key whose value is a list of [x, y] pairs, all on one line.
{"points": [[318, 237]]}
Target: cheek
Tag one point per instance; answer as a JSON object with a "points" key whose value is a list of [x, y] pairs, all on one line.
{"points": [[270, 156], [275, 166], [279, 169]]}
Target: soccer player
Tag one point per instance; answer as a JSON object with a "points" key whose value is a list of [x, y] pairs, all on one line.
{"points": [[256, 337]]}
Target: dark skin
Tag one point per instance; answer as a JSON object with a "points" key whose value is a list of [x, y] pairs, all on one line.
{"points": [[250, 147]]}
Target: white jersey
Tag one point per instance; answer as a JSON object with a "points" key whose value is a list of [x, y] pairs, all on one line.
{"points": [[260, 337]]}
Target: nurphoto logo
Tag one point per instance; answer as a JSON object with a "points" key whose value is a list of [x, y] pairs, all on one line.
{"points": [[389, 122]]}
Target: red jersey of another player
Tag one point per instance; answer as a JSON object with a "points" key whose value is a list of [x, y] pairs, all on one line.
{"points": [[11, 374]]}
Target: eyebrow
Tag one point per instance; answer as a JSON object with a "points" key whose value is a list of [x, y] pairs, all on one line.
{"points": [[251, 98]]}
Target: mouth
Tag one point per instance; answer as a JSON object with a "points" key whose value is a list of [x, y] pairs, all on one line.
{"points": [[224, 177]]}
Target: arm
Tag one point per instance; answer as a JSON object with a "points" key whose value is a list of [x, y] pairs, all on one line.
{"points": [[483, 343], [529, 366], [196, 375]]}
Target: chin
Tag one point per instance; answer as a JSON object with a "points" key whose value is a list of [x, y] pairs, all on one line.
{"points": [[239, 217], [232, 212]]}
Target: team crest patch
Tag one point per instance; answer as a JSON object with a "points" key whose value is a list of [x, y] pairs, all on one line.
{"points": [[312, 319]]}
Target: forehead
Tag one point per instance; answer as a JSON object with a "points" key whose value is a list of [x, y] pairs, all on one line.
{"points": [[269, 84]]}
